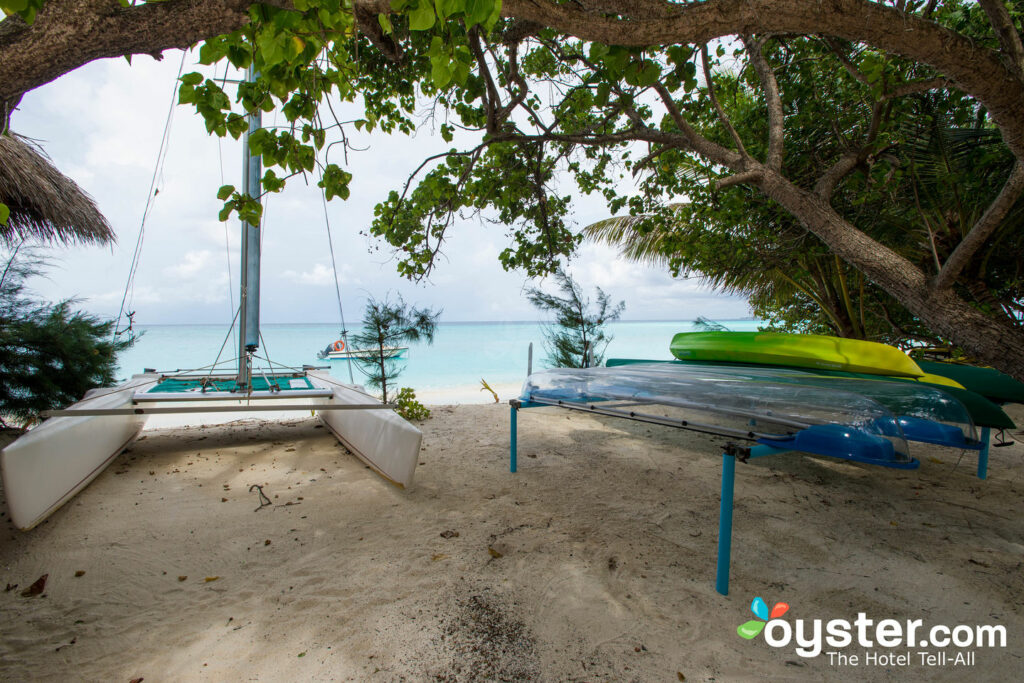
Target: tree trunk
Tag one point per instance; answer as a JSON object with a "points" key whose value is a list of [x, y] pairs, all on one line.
{"points": [[994, 340]]}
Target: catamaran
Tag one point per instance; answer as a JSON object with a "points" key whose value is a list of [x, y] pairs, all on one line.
{"points": [[52, 462]]}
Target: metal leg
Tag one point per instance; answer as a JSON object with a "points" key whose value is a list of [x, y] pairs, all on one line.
{"points": [[513, 430], [725, 524], [983, 453]]}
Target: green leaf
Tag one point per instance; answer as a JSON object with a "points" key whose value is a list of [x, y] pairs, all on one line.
{"points": [[194, 78], [441, 71], [422, 18], [750, 629], [5, 213], [649, 74], [225, 191], [385, 24]]}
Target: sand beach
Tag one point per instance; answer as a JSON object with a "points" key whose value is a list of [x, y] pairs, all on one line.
{"points": [[595, 562]]}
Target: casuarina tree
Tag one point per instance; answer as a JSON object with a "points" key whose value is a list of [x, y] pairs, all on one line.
{"points": [[50, 354], [386, 326], [577, 337]]}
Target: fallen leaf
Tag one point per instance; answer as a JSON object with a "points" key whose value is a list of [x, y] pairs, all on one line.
{"points": [[449, 534], [80, 572], [302, 654], [182, 578], [439, 556], [137, 680], [266, 542], [10, 587], [494, 553], [208, 579], [680, 676], [36, 588]]}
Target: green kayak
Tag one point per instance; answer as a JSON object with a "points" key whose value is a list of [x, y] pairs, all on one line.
{"points": [[989, 382], [795, 350]]}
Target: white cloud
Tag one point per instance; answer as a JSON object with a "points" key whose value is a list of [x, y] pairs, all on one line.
{"points": [[319, 275], [193, 263]]}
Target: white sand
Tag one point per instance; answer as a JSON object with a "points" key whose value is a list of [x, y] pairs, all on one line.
{"points": [[606, 536]]}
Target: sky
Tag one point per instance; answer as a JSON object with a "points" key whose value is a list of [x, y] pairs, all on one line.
{"points": [[102, 126]]}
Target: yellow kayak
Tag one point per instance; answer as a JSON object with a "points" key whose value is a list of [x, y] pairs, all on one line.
{"points": [[795, 350]]}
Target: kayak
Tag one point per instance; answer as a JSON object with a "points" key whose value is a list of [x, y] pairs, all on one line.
{"points": [[989, 382], [983, 412], [795, 350]]}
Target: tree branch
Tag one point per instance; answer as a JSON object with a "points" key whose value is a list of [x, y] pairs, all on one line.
{"points": [[722, 116], [695, 140], [982, 229], [1006, 32], [739, 179], [772, 101]]}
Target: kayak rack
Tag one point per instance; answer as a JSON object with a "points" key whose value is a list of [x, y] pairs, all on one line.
{"points": [[820, 443]]}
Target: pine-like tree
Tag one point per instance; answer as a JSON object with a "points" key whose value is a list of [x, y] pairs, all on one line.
{"points": [[385, 326], [577, 337], [50, 354]]}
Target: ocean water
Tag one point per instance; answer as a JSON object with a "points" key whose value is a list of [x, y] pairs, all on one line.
{"points": [[447, 371]]}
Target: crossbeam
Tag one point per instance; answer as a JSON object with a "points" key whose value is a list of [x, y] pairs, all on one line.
{"points": [[182, 410]]}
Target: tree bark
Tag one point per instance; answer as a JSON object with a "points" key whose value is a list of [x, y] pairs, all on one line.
{"points": [[995, 341]]}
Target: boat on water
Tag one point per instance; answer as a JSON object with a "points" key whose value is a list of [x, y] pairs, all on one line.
{"points": [[796, 350], [339, 350], [50, 463]]}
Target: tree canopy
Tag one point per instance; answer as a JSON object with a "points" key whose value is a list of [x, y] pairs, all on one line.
{"points": [[711, 90]]}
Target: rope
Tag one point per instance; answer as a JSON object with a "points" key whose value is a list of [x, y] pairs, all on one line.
{"points": [[153, 191], [337, 284], [227, 241]]}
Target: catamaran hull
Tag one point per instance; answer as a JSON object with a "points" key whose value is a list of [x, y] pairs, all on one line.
{"points": [[380, 438], [51, 463]]}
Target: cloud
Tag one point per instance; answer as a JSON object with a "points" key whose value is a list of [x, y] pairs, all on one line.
{"points": [[193, 263], [319, 275]]}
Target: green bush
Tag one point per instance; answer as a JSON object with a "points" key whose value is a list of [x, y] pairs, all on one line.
{"points": [[50, 354], [408, 407]]}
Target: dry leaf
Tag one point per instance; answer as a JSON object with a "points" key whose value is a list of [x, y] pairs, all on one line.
{"points": [[449, 534], [439, 556], [80, 572], [36, 588], [208, 579], [494, 553], [182, 578]]}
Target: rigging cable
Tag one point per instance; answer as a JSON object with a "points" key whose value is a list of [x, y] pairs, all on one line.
{"points": [[153, 191], [227, 241], [337, 285]]}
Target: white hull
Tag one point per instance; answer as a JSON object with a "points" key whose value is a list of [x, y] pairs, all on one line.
{"points": [[389, 352], [51, 463], [380, 438]]}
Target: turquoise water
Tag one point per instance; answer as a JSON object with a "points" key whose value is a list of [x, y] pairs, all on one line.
{"points": [[450, 369]]}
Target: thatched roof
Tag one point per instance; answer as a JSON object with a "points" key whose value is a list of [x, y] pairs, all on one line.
{"points": [[45, 204]]}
